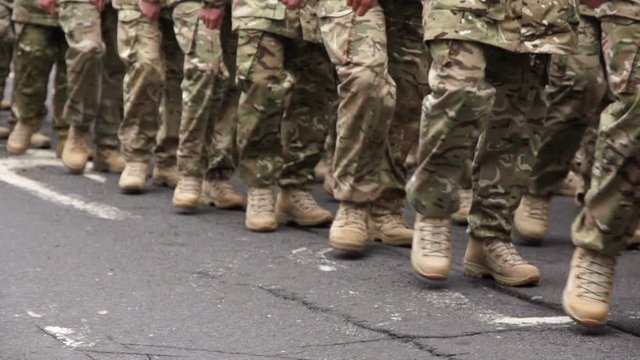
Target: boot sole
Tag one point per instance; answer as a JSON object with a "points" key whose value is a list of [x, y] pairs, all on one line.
{"points": [[435, 277], [348, 246], [208, 201], [287, 220], [74, 171], [185, 207], [132, 190], [16, 151], [478, 272], [584, 322], [391, 241]]}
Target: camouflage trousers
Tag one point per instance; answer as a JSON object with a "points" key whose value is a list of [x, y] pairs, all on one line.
{"points": [[575, 92], [409, 63], [203, 62], [284, 110], [357, 47], [612, 204], [110, 105], [81, 24], [152, 96], [37, 49], [478, 89], [222, 155], [7, 38]]}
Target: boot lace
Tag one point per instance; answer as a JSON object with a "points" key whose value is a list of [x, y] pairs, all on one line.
{"points": [[506, 252], [190, 185], [223, 189], [136, 170], [596, 273], [537, 209], [435, 238], [392, 221], [303, 201], [351, 216], [261, 201]]}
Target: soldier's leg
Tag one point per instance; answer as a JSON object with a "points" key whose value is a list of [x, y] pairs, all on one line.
{"points": [[81, 25], [266, 88], [461, 100], [165, 171], [357, 47], [59, 99], [202, 63], [107, 156], [222, 154], [7, 39], [139, 47], [502, 165], [612, 205], [409, 63], [304, 131], [35, 54], [574, 92]]}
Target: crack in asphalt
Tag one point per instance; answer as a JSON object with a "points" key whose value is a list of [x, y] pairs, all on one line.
{"points": [[390, 334], [212, 351]]}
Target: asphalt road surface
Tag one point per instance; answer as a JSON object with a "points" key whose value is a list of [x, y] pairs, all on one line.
{"points": [[88, 273]]}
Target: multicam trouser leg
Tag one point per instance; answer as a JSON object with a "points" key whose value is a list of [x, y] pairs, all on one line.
{"points": [[7, 39], [37, 49], [266, 88], [110, 107], [222, 155], [309, 115], [505, 151], [409, 63], [142, 46], [612, 206], [461, 100], [60, 124], [81, 25], [357, 47], [575, 91], [202, 63]]}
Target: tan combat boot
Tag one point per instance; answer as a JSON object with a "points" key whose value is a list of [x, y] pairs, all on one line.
{"points": [[465, 197], [108, 160], [261, 212], [531, 219], [5, 104], [431, 249], [20, 139], [349, 229], [165, 176], [77, 150], [391, 229], [62, 140], [221, 194], [186, 196], [500, 260], [587, 294], [571, 185], [4, 132], [299, 207], [40, 141], [321, 170], [133, 177]]}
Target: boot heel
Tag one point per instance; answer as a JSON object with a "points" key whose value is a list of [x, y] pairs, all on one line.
{"points": [[474, 271]]}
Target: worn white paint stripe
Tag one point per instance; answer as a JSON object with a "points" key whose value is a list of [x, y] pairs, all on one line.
{"points": [[533, 321], [69, 337], [42, 191], [95, 177]]}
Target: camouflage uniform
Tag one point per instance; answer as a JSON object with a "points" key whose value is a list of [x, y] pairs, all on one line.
{"points": [[487, 73], [612, 207], [7, 39], [40, 44], [153, 62], [357, 46], [409, 63], [222, 154], [80, 20], [110, 104], [287, 89], [575, 92]]}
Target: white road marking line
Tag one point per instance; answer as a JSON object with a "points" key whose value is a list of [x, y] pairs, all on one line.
{"points": [[533, 321], [68, 336], [8, 174], [95, 177]]}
